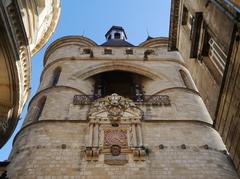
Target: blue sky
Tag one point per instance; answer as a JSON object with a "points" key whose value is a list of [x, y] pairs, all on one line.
{"points": [[92, 18]]}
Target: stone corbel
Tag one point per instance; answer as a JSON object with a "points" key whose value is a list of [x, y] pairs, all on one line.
{"points": [[139, 153], [92, 153]]}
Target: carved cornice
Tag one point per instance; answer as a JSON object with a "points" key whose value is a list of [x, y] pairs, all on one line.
{"points": [[16, 54], [24, 63]]}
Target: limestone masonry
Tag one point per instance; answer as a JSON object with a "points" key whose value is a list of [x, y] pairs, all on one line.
{"points": [[117, 111]]}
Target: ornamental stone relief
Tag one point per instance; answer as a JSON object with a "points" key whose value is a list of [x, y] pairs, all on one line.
{"points": [[5, 116], [115, 130], [114, 108]]}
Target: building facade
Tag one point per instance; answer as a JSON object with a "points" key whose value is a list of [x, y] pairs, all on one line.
{"points": [[117, 111], [206, 34], [25, 27]]}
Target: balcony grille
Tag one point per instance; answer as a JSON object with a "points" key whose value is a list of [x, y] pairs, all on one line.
{"points": [[156, 100]]}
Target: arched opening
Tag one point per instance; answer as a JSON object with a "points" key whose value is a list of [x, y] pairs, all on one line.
{"points": [[56, 75], [126, 84], [38, 109], [117, 35]]}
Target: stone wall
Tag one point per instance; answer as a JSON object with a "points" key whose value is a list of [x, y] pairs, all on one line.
{"points": [[166, 140], [227, 122], [56, 149]]}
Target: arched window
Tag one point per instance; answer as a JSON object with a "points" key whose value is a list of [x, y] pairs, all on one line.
{"points": [[39, 108], [56, 75], [186, 80], [117, 35]]}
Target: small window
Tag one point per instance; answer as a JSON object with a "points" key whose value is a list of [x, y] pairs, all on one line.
{"points": [[39, 108], [187, 18], [205, 46], [129, 51], [108, 51], [195, 34], [117, 35], [149, 52], [56, 75], [115, 124], [190, 20], [86, 51], [184, 16]]}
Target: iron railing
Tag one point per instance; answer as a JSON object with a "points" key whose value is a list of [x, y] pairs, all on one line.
{"points": [[159, 100]]}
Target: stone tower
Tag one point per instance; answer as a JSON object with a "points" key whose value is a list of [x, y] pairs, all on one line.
{"points": [[117, 111]]}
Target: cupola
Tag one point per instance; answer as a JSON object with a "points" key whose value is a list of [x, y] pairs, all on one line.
{"points": [[116, 37], [117, 33]]}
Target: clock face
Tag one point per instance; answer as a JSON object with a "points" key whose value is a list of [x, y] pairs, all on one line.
{"points": [[115, 137]]}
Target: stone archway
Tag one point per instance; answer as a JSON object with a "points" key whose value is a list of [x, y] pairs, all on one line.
{"points": [[109, 66]]}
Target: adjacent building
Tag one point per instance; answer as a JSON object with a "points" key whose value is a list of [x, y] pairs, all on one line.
{"points": [[206, 34], [25, 27]]}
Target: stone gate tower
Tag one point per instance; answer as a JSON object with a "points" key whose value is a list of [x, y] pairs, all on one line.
{"points": [[117, 111]]}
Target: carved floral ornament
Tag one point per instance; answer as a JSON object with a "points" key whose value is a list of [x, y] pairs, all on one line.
{"points": [[115, 130]]}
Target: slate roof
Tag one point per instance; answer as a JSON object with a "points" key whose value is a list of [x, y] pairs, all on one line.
{"points": [[117, 43]]}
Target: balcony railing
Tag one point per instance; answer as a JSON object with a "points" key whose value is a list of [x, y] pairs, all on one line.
{"points": [[157, 100]]}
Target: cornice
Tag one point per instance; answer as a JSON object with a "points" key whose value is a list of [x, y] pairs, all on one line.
{"points": [[24, 63]]}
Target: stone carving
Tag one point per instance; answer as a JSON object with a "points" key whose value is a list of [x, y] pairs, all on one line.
{"points": [[3, 124], [115, 150], [115, 160], [21, 42], [139, 153], [114, 108], [92, 153], [115, 128], [5, 115], [115, 137]]}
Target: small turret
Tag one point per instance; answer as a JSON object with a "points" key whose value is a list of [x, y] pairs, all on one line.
{"points": [[117, 33], [116, 37]]}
